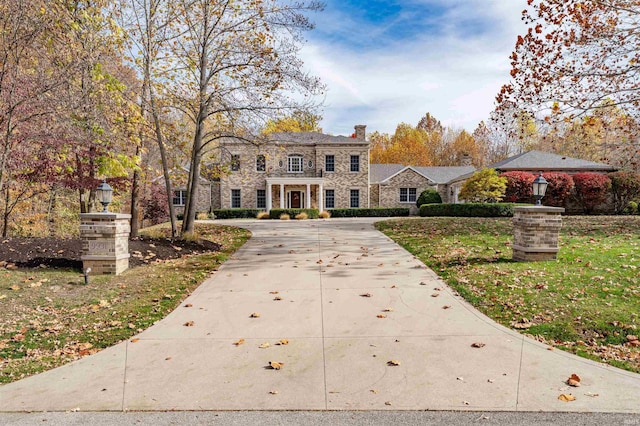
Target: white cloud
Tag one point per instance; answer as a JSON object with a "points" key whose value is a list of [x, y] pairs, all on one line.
{"points": [[454, 73]]}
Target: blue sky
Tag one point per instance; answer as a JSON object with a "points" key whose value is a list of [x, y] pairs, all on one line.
{"points": [[387, 62]]}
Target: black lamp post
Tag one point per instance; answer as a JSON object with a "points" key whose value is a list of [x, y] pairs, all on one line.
{"points": [[104, 192], [539, 189]]}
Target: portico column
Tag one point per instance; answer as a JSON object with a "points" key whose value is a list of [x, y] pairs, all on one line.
{"points": [[308, 202], [320, 197], [282, 196], [269, 195]]}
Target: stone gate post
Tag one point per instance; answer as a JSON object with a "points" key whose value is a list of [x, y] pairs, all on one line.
{"points": [[105, 242], [535, 233]]}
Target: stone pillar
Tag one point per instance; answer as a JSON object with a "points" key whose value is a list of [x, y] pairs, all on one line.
{"points": [[105, 242], [320, 198], [535, 233], [308, 197]]}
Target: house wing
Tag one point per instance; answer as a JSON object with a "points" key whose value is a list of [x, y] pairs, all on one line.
{"points": [[539, 160]]}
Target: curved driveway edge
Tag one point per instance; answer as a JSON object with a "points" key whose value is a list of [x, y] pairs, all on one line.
{"points": [[346, 300]]}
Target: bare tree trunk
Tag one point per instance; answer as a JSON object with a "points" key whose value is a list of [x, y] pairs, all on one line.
{"points": [[135, 198]]}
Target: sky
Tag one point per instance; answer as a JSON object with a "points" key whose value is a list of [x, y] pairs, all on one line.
{"points": [[387, 62]]}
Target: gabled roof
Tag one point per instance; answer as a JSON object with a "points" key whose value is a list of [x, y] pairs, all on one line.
{"points": [[311, 138], [540, 161], [379, 173]]}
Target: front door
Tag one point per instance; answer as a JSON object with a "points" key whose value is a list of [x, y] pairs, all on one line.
{"points": [[296, 200]]}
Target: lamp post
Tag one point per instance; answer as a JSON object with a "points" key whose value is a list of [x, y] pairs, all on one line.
{"points": [[104, 192], [539, 189]]}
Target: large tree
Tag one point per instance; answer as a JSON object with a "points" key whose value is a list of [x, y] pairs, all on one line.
{"points": [[575, 55], [236, 65]]}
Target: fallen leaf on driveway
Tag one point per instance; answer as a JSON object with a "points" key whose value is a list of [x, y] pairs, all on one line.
{"points": [[189, 324], [566, 397], [254, 315], [478, 345], [446, 307], [274, 292], [239, 342], [393, 363], [382, 316], [282, 342], [574, 380], [277, 298], [387, 403], [275, 365], [273, 392], [435, 295], [365, 295], [388, 310], [135, 340], [265, 345], [188, 305]]}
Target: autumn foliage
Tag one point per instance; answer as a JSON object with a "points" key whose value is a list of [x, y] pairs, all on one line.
{"points": [[560, 187], [591, 189], [485, 186], [625, 187], [519, 187]]}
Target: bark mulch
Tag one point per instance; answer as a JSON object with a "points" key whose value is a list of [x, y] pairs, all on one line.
{"points": [[66, 253]]}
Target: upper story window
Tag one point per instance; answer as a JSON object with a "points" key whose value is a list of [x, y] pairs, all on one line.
{"points": [[295, 164], [355, 163], [235, 162], [330, 163], [261, 163]]}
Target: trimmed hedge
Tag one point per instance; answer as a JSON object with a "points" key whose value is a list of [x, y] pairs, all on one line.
{"points": [[236, 213], [311, 213], [428, 196], [468, 210], [378, 212]]}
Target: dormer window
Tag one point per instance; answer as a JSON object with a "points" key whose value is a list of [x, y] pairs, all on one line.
{"points": [[295, 164]]}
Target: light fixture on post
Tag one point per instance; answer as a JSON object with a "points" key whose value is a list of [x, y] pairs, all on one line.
{"points": [[539, 189], [104, 192]]}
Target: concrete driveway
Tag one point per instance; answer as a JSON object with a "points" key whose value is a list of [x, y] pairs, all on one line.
{"points": [[348, 300]]}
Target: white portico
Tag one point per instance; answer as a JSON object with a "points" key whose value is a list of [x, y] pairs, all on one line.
{"points": [[295, 192]]}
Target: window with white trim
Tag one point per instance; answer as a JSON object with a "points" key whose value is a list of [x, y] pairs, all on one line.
{"points": [[355, 163], [236, 198], [330, 198], [408, 195], [295, 164], [261, 198], [179, 197], [354, 199]]}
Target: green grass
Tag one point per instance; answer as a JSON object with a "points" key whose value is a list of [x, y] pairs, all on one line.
{"points": [[586, 302], [49, 317]]}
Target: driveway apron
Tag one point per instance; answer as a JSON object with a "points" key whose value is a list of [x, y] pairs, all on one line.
{"points": [[356, 322]]}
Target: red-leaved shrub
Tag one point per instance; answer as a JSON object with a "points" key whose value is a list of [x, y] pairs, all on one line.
{"points": [[519, 187], [560, 186], [591, 189]]}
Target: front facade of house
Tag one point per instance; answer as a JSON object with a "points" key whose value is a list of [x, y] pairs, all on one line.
{"points": [[314, 170], [297, 170]]}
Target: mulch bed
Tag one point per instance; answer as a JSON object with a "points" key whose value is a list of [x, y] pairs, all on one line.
{"points": [[66, 253]]}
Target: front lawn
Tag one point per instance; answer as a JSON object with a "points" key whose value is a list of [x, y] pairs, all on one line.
{"points": [[49, 317], [586, 302]]}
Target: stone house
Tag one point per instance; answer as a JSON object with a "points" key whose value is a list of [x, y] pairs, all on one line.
{"points": [[315, 170], [296, 170]]}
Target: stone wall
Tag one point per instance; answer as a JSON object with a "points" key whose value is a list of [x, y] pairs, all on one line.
{"points": [[389, 195]]}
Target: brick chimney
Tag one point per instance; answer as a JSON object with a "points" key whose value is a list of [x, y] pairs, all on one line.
{"points": [[466, 160], [361, 132]]}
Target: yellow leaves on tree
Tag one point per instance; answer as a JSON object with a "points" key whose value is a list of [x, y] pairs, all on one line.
{"points": [[484, 186]]}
